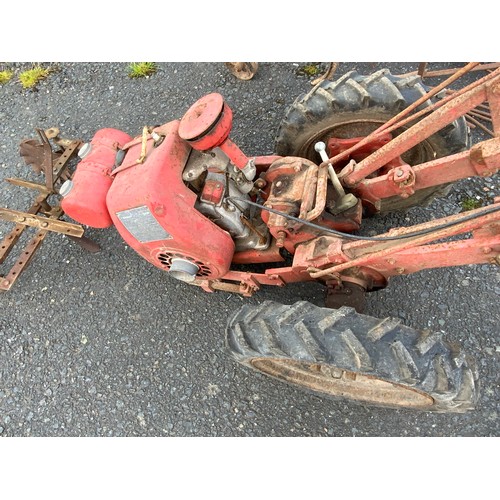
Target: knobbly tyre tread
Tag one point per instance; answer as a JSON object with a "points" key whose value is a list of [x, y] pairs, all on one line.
{"points": [[344, 339], [378, 97]]}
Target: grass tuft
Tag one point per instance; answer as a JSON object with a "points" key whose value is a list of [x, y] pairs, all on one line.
{"points": [[141, 69], [309, 70], [5, 76], [31, 77], [470, 204]]}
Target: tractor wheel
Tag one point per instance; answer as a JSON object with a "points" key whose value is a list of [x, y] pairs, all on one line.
{"points": [[342, 354], [356, 105]]}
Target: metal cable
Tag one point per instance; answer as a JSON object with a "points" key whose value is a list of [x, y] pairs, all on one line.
{"points": [[369, 238]]}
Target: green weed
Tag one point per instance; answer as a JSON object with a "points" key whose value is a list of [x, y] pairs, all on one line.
{"points": [[309, 69], [31, 77], [5, 76], [141, 69], [470, 204]]}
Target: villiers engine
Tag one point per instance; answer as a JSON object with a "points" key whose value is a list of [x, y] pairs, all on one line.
{"points": [[168, 192]]}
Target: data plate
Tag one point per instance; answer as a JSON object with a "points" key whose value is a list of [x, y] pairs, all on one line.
{"points": [[142, 225]]}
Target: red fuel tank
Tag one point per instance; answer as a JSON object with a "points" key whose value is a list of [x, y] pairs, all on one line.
{"points": [[154, 210], [85, 201]]}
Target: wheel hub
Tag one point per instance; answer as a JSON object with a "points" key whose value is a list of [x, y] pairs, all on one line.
{"points": [[337, 382], [342, 136]]}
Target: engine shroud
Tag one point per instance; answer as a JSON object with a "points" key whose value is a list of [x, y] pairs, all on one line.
{"points": [[154, 210]]}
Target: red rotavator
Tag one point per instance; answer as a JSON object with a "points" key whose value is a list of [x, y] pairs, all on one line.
{"points": [[188, 200]]}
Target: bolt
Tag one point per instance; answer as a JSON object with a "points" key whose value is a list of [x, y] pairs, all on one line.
{"points": [[400, 270], [6, 283], [44, 224], [391, 261], [399, 172], [280, 241], [279, 184], [486, 250]]}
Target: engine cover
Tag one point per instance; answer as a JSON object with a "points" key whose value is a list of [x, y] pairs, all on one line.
{"points": [[154, 211]]}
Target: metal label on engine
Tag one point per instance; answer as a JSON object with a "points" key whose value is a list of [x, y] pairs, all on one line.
{"points": [[142, 225]]}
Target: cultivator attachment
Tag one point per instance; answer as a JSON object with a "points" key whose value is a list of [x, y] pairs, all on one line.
{"points": [[44, 215]]}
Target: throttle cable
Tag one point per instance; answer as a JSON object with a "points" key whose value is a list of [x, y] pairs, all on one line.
{"points": [[368, 238]]}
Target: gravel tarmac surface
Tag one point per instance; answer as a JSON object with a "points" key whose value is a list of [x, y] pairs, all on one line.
{"points": [[107, 345]]}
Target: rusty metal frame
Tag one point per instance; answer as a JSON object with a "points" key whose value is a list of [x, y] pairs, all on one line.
{"points": [[418, 252], [41, 214], [483, 160], [444, 112]]}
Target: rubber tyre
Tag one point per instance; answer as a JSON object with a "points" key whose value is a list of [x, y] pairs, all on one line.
{"points": [[355, 105], [342, 354]]}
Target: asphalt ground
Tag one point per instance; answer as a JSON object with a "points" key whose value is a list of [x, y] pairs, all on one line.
{"points": [[107, 345]]}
